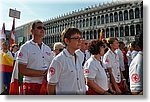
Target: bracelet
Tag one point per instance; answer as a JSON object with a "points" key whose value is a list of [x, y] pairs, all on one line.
{"points": [[124, 79]]}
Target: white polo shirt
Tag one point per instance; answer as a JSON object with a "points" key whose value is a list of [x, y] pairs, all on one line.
{"points": [[35, 58], [136, 73], [121, 59], [95, 71], [81, 55], [67, 75], [111, 59]]}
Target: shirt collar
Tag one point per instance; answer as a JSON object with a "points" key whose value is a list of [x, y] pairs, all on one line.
{"points": [[113, 53], [32, 42], [67, 53]]}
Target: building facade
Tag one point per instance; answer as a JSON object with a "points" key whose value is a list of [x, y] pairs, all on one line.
{"points": [[123, 20]]}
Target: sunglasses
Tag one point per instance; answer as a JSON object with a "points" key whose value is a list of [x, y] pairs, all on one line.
{"points": [[40, 27]]}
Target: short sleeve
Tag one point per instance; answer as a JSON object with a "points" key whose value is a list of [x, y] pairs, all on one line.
{"points": [[54, 72], [107, 61], [22, 55], [136, 77], [90, 71]]}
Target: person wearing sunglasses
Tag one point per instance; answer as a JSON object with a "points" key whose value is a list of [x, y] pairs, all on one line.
{"points": [[58, 47], [34, 58], [65, 74], [82, 51]]}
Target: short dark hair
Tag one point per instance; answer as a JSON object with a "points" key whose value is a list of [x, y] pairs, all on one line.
{"points": [[110, 41], [34, 23], [66, 33], [94, 46]]}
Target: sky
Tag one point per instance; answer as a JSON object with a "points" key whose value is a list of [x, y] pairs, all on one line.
{"points": [[40, 9]]}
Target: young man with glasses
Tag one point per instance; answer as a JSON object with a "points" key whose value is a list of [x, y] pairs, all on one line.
{"points": [[34, 58], [65, 74]]}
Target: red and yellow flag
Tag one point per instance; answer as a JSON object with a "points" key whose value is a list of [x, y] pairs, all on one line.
{"points": [[6, 63], [101, 35]]}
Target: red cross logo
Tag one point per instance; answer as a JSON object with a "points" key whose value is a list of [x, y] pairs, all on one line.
{"points": [[52, 71], [107, 60], [20, 55], [86, 71], [135, 78]]}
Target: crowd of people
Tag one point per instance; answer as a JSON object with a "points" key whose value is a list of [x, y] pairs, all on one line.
{"points": [[77, 66]]}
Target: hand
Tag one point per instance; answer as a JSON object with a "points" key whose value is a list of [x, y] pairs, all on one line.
{"points": [[118, 92], [44, 72], [107, 93]]}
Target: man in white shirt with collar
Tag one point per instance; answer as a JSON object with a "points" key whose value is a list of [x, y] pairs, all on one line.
{"points": [[82, 52], [65, 74], [34, 58], [111, 60], [136, 70]]}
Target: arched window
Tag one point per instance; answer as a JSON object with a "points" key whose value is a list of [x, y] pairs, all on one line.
{"points": [[116, 17], [91, 35], [87, 35], [107, 33], [132, 32], [87, 22], [126, 31], [94, 21], [95, 34], [90, 21], [120, 16], [125, 15], [121, 32], [137, 13], [77, 24], [111, 32], [102, 19], [98, 20], [131, 14], [111, 17], [83, 35], [138, 30], [80, 24], [116, 32], [83, 22], [106, 18]]}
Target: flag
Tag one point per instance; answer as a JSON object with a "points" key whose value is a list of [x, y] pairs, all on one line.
{"points": [[12, 37], [101, 35], [14, 85], [3, 32], [6, 68], [6, 63]]}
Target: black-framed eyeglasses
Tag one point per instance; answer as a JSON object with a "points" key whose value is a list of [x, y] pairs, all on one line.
{"points": [[40, 27], [76, 38]]}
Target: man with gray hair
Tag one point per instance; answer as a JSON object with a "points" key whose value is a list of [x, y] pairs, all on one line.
{"points": [[58, 47]]}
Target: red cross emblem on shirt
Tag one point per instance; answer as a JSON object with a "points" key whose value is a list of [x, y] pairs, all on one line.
{"points": [[86, 71], [52, 71], [135, 78]]}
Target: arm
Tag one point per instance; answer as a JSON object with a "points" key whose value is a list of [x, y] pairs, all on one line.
{"points": [[30, 72], [51, 89], [112, 79]]}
